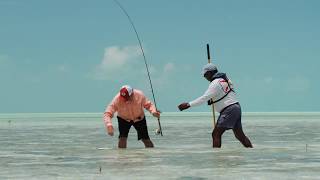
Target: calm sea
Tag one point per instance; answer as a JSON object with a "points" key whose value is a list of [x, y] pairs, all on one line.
{"points": [[75, 146]]}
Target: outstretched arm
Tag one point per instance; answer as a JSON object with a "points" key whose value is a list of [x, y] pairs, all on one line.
{"points": [[200, 100]]}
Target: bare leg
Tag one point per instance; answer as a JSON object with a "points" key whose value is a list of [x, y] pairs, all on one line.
{"points": [[242, 137], [216, 137], [122, 142], [147, 143]]}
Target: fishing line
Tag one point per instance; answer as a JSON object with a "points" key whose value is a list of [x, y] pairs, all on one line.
{"points": [[144, 58]]}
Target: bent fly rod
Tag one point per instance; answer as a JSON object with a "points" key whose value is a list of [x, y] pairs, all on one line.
{"points": [[158, 131]]}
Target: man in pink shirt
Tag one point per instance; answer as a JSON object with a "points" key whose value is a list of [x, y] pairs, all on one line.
{"points": [[130, 104]]}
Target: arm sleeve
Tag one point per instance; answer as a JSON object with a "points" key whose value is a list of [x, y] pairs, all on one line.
{"points": [[148, 105], [109, 112], [204, 98]]}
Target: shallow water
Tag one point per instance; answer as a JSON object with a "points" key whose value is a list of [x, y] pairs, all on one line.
{"points": [[75, 146]]}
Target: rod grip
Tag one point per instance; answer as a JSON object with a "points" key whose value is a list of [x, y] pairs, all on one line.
{"points": [[208, 52]]}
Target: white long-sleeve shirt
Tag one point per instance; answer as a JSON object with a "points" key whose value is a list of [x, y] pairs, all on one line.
{"points": [[216, 90]]}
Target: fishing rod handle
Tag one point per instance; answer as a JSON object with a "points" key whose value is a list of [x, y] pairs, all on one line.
{"points": [[208, 51]]}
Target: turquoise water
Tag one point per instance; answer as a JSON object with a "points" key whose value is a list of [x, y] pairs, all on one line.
{"points": [[75, 146]]}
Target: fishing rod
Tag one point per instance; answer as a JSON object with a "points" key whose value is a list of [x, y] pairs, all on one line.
{"points": [[158, 131], [212, 105]]}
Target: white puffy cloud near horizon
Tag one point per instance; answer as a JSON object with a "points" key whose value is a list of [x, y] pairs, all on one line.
{"points": [[128, 61], [116, 59]]}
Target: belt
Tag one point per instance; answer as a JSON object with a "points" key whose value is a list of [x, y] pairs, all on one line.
{"points": [[138, 118]]}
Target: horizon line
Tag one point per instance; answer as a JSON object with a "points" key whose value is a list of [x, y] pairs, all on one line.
{"points": [[172, 112]]}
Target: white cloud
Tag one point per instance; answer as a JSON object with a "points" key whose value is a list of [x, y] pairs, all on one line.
{"points": [[116, 60], [115, 57], [126, 65], [169, 67]]}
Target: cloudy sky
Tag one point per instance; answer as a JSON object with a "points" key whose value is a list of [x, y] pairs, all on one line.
{"points": [[73, 56]]}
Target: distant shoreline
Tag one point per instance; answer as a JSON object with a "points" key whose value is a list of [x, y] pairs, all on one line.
{"points": [[100, 114]]}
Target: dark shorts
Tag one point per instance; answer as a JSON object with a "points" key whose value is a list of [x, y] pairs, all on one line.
{"points": [[230, 117], [141, 127]]}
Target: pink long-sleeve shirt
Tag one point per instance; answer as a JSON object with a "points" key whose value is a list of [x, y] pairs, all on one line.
{"points": [[133, 109]]}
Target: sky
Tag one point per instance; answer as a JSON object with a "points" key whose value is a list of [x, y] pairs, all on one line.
{"points": [[74, 55]]}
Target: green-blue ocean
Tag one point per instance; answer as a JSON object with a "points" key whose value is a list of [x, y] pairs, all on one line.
{"points": [[75, 146]]}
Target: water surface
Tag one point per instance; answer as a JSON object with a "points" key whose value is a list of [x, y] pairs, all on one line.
{"points": [[75, 146]]}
